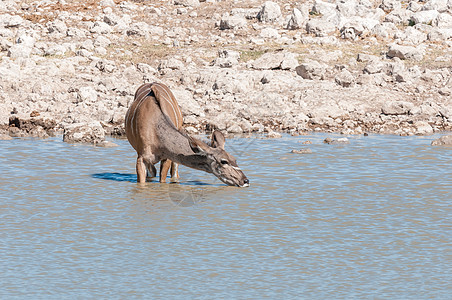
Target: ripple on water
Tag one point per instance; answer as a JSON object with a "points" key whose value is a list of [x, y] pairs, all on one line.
{"points": [[368, 219]]}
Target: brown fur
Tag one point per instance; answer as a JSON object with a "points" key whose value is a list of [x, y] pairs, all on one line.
{"points": [[154, 129]]}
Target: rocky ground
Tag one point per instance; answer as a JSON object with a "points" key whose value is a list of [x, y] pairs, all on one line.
{"points": [[352, 66]]}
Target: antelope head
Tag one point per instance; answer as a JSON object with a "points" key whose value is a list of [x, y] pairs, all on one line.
{"points": [[220, 163]]}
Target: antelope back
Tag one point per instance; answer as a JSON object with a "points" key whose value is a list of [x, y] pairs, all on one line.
{"points": [[164, 98], [167, 103]]}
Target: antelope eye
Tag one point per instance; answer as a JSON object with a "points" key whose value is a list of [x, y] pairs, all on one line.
{"points": [[224, 162]]}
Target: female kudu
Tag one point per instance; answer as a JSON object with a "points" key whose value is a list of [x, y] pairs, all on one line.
{"points": [[154, 129]]}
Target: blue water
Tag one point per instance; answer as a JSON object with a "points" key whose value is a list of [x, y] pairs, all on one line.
{"points": [[371, 219]]}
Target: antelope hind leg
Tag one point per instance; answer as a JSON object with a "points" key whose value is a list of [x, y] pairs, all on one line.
{"points": [[174, 172], [164, 167], [152, 172], [141, 170]]}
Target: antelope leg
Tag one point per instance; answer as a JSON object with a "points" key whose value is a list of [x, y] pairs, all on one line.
{"points": [[164, 167], [174, 172], [141, 170]]}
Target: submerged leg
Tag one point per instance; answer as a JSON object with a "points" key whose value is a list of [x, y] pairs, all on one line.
{"points": [[141, 170], [152, 172], [174, 172], [164, 167]]}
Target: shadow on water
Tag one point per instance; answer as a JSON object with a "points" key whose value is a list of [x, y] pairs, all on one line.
{"points": [[133, 178], [116, 176], [183, 194]]}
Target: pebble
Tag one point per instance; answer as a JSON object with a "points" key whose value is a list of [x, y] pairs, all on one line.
{"points": [[342, 141], [302, 151]]}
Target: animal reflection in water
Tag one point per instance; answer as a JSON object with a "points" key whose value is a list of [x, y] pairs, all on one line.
{"points": [[153, 126]]}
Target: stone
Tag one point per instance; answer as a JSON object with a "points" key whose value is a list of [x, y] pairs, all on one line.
{"points": [[172, 63], [24, 125], [323, 8], [445, 140], [438, 5], [107, 3], [187, 3], [269, 33], [11, 21], [234, 128], [445, 91], [320, 27], [227, 58], [414, 6], [56, 50], [384, 30], [339, 141], [273, 135], [269, 12], [446, 112], [106, 144], [57, 26], [90, 132], [275, 60], [297, 20], [390, 5], [87, 94], [424, 17], [412, 36], [352, 30], [397, 108], [266, 77], [345, 78], [105, 65], [5, 137], [19, 50], [187, 103], [233, 22], [312, 70], [422, 128], [289, 61], [364, 57], [26, 40], [302, 151], [443, 20], [405, 52], [102, 41], [139, 29], [440, 34], [399, 16], [112, 19], [100, 27]]}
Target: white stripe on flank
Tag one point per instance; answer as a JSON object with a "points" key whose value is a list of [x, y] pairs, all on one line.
{"points": [[146, 89], [136, 98], [143, 95], [170, 103]]}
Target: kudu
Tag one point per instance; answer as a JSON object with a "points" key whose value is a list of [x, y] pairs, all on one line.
{"points": [[154, 129]]}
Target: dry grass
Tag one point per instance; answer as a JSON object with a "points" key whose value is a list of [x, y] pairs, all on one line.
{"points": [[139, 51], [247, 55], [135, 49], [49, 12]]}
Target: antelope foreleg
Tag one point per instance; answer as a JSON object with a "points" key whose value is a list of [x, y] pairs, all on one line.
{"points": [[164, 167]]}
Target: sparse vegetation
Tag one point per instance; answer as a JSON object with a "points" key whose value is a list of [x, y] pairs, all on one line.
{"points": [[247, 55]]}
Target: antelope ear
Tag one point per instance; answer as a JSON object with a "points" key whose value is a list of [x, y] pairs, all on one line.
{"points": [[218, 140], [196, 147]]}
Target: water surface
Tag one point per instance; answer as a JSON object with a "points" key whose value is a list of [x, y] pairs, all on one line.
{"points": [[366, 220]]}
